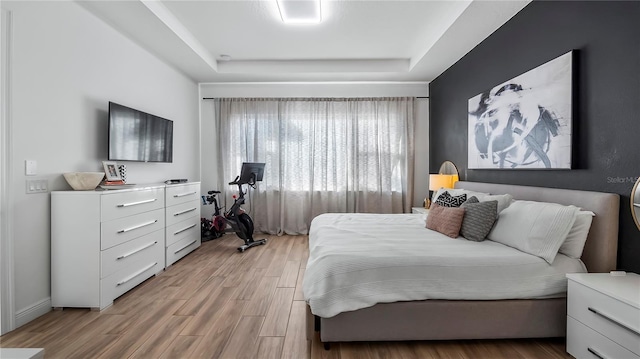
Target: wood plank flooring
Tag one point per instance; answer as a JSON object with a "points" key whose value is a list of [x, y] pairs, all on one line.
{"points": [[219, 303]]}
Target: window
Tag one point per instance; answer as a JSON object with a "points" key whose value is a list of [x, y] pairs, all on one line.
{"points": [[335, 155]]}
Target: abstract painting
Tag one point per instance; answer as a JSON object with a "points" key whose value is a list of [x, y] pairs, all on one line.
{"points": [[524, 123]]}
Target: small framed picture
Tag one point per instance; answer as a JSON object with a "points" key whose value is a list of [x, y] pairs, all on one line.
{"points": [[111, 170]]}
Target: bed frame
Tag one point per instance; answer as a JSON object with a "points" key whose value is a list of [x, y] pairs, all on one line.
{"points": [[488, 319]]}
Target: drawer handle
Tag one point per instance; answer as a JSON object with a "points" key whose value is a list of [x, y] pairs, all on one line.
{"points": [[136, 251], [185, 247], [609, 318], [184, 194], [594, 352], [138, 226], [136, 274], [185, 211], [184, 229], [136, 203]]}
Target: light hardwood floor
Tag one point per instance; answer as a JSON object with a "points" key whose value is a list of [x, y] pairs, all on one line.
{"points": [[219, 303]]}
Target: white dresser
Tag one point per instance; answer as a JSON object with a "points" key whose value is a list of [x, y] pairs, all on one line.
{"points": [[603, 316], [104, 243], [182, 217]]}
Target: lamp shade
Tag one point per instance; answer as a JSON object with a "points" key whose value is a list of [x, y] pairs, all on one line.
{"points": [[441, 181]]}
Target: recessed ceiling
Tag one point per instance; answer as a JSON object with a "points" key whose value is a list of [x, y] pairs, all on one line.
{"points": [[355, 41]]}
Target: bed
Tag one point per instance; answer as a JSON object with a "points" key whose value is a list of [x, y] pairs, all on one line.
{"points": [[483, 317]]}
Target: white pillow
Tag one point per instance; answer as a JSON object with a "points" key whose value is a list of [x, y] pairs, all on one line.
{"points": [[574, 243], [537, 228]]}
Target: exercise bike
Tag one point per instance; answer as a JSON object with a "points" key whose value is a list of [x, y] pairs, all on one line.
{"points": [[239, 221], [215, 227]]}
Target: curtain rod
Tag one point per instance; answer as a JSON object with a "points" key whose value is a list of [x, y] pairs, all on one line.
{"points": [[213, 98]]}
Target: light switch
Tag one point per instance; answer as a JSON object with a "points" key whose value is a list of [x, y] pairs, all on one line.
{"points": [[37, 186], [31, 167]]}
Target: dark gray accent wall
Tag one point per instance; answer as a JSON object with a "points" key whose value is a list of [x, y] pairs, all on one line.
{"points": [[607, 113]]}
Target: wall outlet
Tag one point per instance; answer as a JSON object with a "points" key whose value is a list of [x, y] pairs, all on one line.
{"points": [[37, 186]]}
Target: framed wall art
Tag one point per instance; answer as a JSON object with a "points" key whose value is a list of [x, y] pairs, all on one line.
{"points": [[526, 122]]}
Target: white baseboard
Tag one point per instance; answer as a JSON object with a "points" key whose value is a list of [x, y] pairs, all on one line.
{"points": [[24, 316]]}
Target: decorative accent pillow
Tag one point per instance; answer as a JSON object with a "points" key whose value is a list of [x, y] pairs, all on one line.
{"points": [[457, 192], [504, 200], [446, 220], [472, 199], [447, 200], [577, 237], [537, 228], [479, 218]]}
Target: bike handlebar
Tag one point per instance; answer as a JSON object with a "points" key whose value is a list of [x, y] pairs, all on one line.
{"points": [[235, 181]]}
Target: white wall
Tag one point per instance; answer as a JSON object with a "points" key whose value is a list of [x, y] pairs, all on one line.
{"points": [[317, 89], [67, 65]]}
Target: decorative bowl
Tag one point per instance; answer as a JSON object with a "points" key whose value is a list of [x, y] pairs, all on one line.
{"points": [[83, 181]]}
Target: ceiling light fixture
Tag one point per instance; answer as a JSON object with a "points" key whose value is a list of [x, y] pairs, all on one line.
{"points": [[300, 11]]}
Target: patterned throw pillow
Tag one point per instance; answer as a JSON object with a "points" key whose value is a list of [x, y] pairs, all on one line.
{"points": [[478, 219], [472, 199], [447, 200], [446, 220]]}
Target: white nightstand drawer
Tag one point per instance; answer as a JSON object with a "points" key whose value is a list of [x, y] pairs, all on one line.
{"points": [[612, 318], [181, 248], [141, 249], [182, 193], [122, 204], [584, 342], [182, 211], [125, 229]]}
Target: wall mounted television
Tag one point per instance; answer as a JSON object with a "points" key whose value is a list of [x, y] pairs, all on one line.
{"points": [[138, 136]]}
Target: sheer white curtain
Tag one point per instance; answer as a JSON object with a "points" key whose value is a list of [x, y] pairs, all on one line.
{"points": [[321, 155]]}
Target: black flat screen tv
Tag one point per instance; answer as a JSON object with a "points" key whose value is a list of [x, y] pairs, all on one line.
{"points": [[138, 136]]}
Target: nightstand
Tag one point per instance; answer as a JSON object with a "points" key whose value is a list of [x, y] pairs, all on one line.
{"points": [[603, 315], [419, 210]]}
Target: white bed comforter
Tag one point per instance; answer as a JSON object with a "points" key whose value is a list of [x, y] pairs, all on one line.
{"points": [[359, 260]]}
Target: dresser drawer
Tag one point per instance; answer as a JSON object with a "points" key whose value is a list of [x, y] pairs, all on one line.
{"points": [[141, 249], [182, 193], [606, 315], [584, 342], [181, 248], [187, 228], [123, 204], [182, 211], [122, 281], [122, 230]]}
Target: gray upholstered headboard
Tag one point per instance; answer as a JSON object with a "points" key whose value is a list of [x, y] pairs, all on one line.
{"points": [[601, 250]]}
